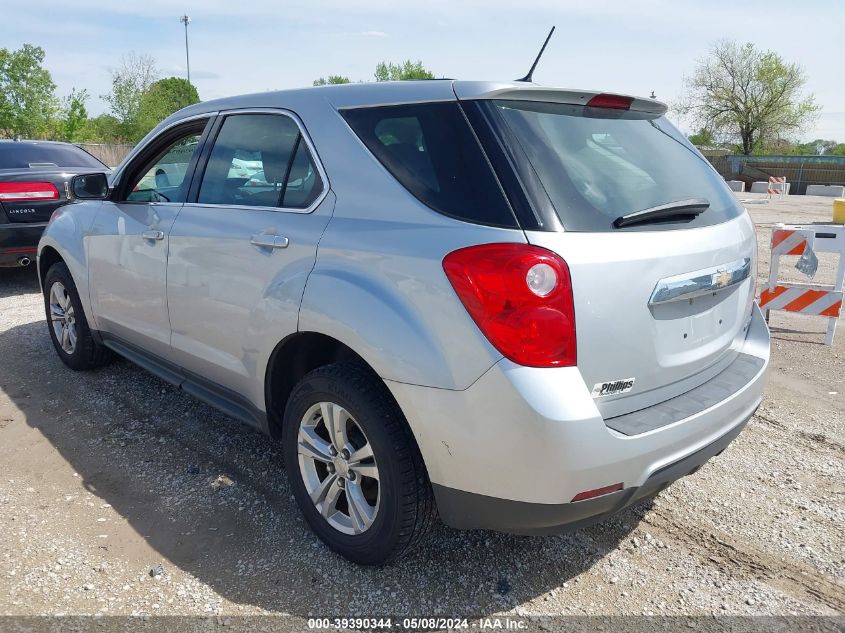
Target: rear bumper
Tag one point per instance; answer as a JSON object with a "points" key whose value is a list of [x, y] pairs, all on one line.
{"points": [[19, 240], [464, 510], [526, 441]]}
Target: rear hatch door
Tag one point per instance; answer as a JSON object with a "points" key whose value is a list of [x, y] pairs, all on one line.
{"points": [[662, 303]]}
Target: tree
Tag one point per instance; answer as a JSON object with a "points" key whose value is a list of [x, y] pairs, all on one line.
{"points": [[160, 100], [331, 79], [747, 96], [73, 124], [821, 147], [702, 138], [387, 71], [104, 128], [129, 83], [27, 93]]}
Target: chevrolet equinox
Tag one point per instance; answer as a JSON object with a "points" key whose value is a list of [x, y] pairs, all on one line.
{"points": [[518, 308]]}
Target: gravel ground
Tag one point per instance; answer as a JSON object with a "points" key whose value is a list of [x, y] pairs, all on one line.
{"points": [[121, 495]]}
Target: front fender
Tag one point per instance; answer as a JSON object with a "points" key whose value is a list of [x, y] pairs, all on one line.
{"points": [[66, 233]]}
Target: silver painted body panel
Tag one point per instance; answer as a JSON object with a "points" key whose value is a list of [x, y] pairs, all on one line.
{"points": [[67, 233], [668, 348], [365, 267], [536, 435], [127, 272], [231, 301]]}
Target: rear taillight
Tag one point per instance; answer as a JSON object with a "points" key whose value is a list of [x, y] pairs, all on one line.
{"points": [[27, 191], [520, 296], [614, 102]]}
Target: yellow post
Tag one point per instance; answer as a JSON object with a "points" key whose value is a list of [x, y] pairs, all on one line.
{"points": [[839, 211]]}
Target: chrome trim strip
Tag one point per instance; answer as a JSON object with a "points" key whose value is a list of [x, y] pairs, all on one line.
{"points": [[700, 282]]}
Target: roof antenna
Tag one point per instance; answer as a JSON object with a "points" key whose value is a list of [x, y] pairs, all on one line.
{"points": [[529, 76]]}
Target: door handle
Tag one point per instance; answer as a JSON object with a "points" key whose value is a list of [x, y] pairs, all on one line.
{"points": [[153, 235], [269, 241]]}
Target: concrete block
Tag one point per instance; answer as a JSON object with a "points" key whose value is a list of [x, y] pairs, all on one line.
{"points": [[831, 191], [737, 185]]}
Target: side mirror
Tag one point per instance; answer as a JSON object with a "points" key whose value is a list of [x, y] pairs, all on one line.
{"points": [[90, 187]]}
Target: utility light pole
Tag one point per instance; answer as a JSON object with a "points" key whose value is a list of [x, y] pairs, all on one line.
{"points": [[186, 20]]}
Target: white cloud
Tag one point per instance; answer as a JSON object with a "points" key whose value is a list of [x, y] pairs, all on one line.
{"points": [[374, 33]]}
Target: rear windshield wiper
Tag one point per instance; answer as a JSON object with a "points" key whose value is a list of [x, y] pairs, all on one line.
{"points": [[678, 209]]}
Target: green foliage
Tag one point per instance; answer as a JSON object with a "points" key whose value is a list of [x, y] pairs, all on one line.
{"points": [[129, 83], [388, 71], [385, 71], [104, 128], [73, 124], [748, 97], [28, 101], [160, 100], [818, 147], [703, 138], [331, 79]]}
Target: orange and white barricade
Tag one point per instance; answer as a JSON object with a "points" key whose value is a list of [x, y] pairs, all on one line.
{"points": [[811, 299], [777, 186]]}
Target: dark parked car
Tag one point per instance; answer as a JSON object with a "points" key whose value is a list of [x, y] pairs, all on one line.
{"points": [[33, 182]]}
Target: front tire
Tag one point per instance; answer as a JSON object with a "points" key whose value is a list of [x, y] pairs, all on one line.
{"points": [[353, 465], [67, 324]]}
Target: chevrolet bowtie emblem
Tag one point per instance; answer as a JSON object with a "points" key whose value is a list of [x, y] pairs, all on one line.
{"points": [[722, 278]]}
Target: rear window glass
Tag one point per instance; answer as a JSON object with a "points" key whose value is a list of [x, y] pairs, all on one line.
{"points": [[24, 156], [597, 165], [431, 150]]}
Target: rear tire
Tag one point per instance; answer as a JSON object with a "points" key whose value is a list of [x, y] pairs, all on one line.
{"points": [[67, 324], [369, 521]]}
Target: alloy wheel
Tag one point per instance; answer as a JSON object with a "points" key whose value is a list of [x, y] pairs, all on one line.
{"points": [[338, 468], [63, 318]]}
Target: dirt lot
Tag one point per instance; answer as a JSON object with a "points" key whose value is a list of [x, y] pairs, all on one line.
{"points": [[107, 475]]}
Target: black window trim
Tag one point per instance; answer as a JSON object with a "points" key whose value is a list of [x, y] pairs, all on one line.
{"points": [[516, 221], [523, 189], [214, 131], [155, 148]]}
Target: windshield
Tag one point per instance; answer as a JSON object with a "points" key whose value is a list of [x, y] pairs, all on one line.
{"points": [[17, 155], [596, 165]]}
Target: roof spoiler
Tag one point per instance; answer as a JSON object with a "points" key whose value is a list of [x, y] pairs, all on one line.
{"points": [[521, 92]]}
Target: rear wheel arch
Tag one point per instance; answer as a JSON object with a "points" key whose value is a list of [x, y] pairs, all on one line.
{"points": [[294, 357]]}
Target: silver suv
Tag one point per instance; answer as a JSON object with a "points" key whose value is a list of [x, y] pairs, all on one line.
{"points": [[522, 308]]}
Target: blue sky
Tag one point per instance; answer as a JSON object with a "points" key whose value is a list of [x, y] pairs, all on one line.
{"points": [[631, 46]]}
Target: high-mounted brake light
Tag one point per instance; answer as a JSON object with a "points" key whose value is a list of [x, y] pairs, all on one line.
{"points": [[27, 191], [613, 102], [520, 296]]}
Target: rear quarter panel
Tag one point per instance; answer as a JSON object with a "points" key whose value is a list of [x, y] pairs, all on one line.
{"points": [[378, 283]]}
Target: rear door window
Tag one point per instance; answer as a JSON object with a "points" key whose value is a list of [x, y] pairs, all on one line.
{"points": [[596, 165], [431, 150], [260, 160]]}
